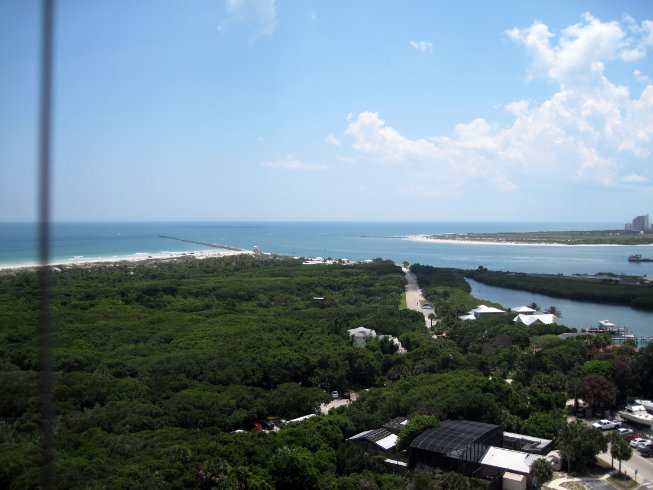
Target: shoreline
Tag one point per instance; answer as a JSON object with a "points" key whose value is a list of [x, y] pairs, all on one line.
{"points": [[469, 241], [118, 259]]}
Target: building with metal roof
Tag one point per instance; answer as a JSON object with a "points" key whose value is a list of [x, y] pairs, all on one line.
{"points": [[528, 444], [395, 425], [457, 445], [381, 440]]}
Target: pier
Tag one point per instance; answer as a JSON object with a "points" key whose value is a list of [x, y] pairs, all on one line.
{"points": [[206, 244]]}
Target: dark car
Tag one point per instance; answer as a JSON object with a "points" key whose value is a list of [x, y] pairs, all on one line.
{"points": [[647, 451], [267, 425], [346, 395]]}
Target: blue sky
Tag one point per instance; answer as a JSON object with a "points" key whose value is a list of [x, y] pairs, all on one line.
{"points": [[333, 110]]}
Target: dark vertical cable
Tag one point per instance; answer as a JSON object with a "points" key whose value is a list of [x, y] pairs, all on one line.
{"points": [[44, 279]]}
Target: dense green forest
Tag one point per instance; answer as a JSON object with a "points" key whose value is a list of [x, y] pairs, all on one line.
{"points": [[607, 290], [156, 366]]}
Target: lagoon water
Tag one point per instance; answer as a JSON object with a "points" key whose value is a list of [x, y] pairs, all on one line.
{"points": [[578, 314], [358, 241]]}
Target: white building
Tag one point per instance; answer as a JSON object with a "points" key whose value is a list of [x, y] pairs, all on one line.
{"points": [[543, 318], [481, 312]]}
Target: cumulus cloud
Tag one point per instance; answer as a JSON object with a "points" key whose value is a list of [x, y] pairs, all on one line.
{"points": [[586, 131], [259, 13], [291, 163], [634, 179], [422, 46], [332, 140], [582, 48]]}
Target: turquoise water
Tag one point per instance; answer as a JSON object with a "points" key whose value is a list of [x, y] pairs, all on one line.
{"points": [[352, 240]]}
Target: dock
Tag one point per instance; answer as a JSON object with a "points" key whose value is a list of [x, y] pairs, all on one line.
{"points": [[206, 244]]}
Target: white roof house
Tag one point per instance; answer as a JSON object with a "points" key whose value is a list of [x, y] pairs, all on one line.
{"points": [[544, 318], [509, 460], [361, 332], [468, 316], [482, 311], [523, 309]]}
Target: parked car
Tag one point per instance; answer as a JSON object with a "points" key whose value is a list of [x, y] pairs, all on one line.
{"points": [[647, 451], [644, 444], [606, 424], [335, 395], [267, 425], [625, 432], [346, 395], [636, 441], [427, 306]]}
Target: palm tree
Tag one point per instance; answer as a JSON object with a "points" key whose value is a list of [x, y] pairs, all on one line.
{"points": [[554, 310], [431, 317], [619, 448], [535, 306]]}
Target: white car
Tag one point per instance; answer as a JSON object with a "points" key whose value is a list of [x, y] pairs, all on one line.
{"points": [[636, 441], [606, 424], [625, 432], [644, 443]]}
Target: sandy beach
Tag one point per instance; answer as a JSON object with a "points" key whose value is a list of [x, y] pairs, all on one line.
{"points": [[469, 241], [133, 258]]}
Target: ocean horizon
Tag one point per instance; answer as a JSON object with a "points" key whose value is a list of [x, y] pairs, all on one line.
{"points": [[354, 240]]}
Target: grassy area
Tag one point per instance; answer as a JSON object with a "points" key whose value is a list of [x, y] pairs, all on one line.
{"points": [[402, 304], [623, 481]]}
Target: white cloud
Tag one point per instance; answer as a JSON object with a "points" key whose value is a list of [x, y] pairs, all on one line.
{"points": [[332, 140], [583, 47], [584, 132], [291, 163], [260, 13], [422, 46], [633, 178], [640, 77]]}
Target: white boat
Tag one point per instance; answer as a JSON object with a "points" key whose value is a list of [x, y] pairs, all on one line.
{"points": [[637, 414], [647, 404]]}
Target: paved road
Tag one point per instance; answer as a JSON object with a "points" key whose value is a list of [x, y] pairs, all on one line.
{"points": [[644, 466], [414, 298]]}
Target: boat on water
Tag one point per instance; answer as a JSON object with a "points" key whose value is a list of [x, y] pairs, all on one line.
{"points": [[638, 258], [637, 414], [647, 404]]}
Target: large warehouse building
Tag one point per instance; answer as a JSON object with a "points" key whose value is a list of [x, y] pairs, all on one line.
{"points": [[457, 445]]}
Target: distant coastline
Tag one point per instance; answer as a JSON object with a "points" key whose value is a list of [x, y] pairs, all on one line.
{"points": [[547, 238], [119, 259]]}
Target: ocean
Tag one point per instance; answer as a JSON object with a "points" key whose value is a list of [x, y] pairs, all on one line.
{"points": [[352, 240], [356, 241]]}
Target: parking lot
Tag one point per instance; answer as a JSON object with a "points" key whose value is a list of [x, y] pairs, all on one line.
{"points": [[644, 466], [325, 407]]}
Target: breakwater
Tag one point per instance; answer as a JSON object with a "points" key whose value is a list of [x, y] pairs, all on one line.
{"points": [[206, 244]]}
